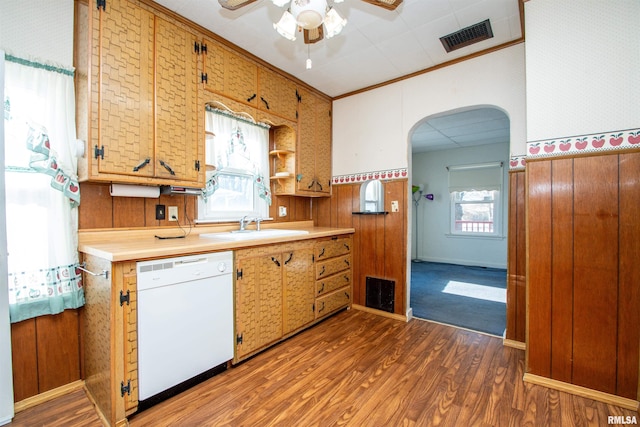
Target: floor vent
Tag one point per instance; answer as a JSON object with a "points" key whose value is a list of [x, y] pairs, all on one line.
{"points": [[467, 36], [380, 294]]}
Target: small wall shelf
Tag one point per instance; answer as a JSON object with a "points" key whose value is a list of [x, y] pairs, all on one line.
{"points": [[371, 213]]}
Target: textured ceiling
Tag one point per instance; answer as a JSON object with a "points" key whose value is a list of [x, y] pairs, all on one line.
{"points": [[376, 46]]}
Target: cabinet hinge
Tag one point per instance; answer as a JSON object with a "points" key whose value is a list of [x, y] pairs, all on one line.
{"points": [[238, 274], [314, 307], [298, 96], [197, 165], [98, 152], [313, 258], [196, 48], [101, 4], [239, 339], [203, 48], [124, 298], [204, 78], [125, 388], [296, 114]]}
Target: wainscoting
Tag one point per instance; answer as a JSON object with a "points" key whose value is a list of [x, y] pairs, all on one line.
{"points": [[45, 353], [583, 271], [516, 260]]}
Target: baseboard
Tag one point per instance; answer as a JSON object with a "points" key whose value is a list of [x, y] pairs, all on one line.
{"points": [[380, 312], [464, 262], [514, 344], [32, 401], [600, 396]]}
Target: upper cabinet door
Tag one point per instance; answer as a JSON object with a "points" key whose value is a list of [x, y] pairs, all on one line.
{"points": [[179, 136], [277, 94], [313, 155], [230, 74], [121, 123]]}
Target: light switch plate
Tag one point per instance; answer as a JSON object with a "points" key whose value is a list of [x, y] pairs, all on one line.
{"points": [[282, 211]]}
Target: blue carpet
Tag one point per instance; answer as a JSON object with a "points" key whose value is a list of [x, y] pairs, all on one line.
{"points": [[469, 297]]}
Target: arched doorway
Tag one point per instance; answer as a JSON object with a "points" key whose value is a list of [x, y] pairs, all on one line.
{"points": [[459, 221]]}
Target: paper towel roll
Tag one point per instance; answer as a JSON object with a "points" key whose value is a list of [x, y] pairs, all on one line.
{"points": [[127, 190]]}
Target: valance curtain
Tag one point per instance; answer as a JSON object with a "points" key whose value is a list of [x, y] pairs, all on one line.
{"points": [[42, 191], [478, 177]]}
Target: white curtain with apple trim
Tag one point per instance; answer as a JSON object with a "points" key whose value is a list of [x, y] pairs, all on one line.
{"points": [[42, 191]]}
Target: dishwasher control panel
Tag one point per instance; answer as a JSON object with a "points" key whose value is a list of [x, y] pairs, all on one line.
{"points": [[168, 271]]}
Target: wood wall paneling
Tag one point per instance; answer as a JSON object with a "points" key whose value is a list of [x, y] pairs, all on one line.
{"points": [[628, 384], [583, 238], [595, 259], [521, 260], [58, 344], [45, 353], [562, 269], [539, 268], [96, 206], [516, 247], [395, 232], [24, 356]]}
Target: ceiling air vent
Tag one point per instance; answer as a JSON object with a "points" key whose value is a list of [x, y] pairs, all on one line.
{"points": [[467, 36]]}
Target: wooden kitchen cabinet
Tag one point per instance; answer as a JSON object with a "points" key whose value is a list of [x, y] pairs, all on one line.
{"points": [[229, 74], [298, 288], [313, 154], [274, 294], [277, 94], [110, 338], [258, 299], [146, 121], [333, 274]]}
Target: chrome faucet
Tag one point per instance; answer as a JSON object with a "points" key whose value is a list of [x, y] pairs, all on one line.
{"points": [[244, 221]]}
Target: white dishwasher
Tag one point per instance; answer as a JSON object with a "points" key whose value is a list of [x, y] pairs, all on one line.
{"points": [[185, 319]]}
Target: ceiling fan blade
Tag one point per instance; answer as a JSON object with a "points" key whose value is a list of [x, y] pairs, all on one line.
{"points": [[387, 4], [313, 35], [234, 4]]}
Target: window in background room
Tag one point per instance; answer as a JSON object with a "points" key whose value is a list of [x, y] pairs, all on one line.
{"points": [[475, 199], [237, 164]]}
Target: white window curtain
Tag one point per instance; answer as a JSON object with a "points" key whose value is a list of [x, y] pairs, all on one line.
{"points": [[238, 148], [42, 191]]}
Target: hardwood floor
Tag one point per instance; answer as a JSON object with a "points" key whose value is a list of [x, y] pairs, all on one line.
{"points": [[360, 369]]}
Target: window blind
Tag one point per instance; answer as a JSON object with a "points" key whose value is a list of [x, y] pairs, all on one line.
{"points": [[484, 176]]}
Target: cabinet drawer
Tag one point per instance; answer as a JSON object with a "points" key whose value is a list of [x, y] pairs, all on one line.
{"points": [[332, 283], [332, 302], [332, 266], [331, 248]]}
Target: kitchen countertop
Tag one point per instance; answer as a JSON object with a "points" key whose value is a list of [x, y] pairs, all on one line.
{"points": [[140, 244]]}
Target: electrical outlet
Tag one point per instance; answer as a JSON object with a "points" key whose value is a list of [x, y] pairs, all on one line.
{"points": [[282, 211], [160, 212], [394, 206], [173, 213]]}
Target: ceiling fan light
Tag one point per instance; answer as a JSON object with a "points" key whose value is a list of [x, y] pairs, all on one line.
{"points": [[309, 13], [333, 23], [286, 26], [280, 3]]}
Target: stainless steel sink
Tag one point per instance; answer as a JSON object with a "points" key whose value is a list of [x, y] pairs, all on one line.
{"points": [[237, 235]]}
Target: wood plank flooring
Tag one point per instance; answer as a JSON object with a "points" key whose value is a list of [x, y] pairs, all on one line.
{"points": [[359, 369]]}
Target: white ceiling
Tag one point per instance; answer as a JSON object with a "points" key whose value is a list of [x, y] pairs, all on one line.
{"points": [[376, 46], [479, 126]]}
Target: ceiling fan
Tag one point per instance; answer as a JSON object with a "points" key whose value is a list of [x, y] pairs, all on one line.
{"points": [[313, 17]]}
